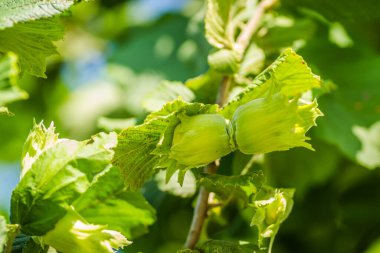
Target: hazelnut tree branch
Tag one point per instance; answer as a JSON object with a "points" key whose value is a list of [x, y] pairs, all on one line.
{"points": [[200, 211]]}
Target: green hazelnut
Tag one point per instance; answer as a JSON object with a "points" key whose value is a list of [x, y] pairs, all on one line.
{"points": [[272, 124], [200, 139]]}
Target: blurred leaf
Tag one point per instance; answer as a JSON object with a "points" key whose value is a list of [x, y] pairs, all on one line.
{"points": [[161, 44], [301, 168], [242, 187], [33, 247], [288, 75], [13, 12], [9, 90], [205, 86], [58, 176], [166, 92], [355, 102], [284, 32], [369, 155], [374, 247], [3, 233], [106, 203], [111, 124], [186, 190], [213, 246], [33, 43], [187, 251], [354, 10]]}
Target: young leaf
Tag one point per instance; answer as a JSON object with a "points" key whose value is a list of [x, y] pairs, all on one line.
{"points": [[166, 92], [288, 75], [217, 23], [272, 207], [106, 203], [39, 139], [59, 175], [9, 90], [242, 187], [32, 42], [13, 12]]}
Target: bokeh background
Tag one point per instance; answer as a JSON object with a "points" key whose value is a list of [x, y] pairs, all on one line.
{"points": [[115, 55]]}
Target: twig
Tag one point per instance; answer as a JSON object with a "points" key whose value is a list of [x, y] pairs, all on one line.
{"points": [[245, 36], [200, 212]]}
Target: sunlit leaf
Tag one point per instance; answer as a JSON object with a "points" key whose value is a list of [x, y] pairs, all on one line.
{"points": [[32, 42], [13, 12], [59, 175], [288, 75], [107, 203]]}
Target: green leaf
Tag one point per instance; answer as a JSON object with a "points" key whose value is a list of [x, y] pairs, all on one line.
{"points": [[141, 149], [106, 203], [133, 152], [32, 246], [56, 177], [166, 92], [369, 154], [3, 233], [242, 187], [353, 11], [216, 246], [217, 23], [39, 139], [288, 75], [13, 12], [272, 207], [74, 234], [32, 42], [9, 90]]}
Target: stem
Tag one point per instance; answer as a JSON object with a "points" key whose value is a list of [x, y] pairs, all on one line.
{"points": [[200, 212], [253, 24]]}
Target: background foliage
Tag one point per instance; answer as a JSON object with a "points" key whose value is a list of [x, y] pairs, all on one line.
{"points": [[113, 57]]}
